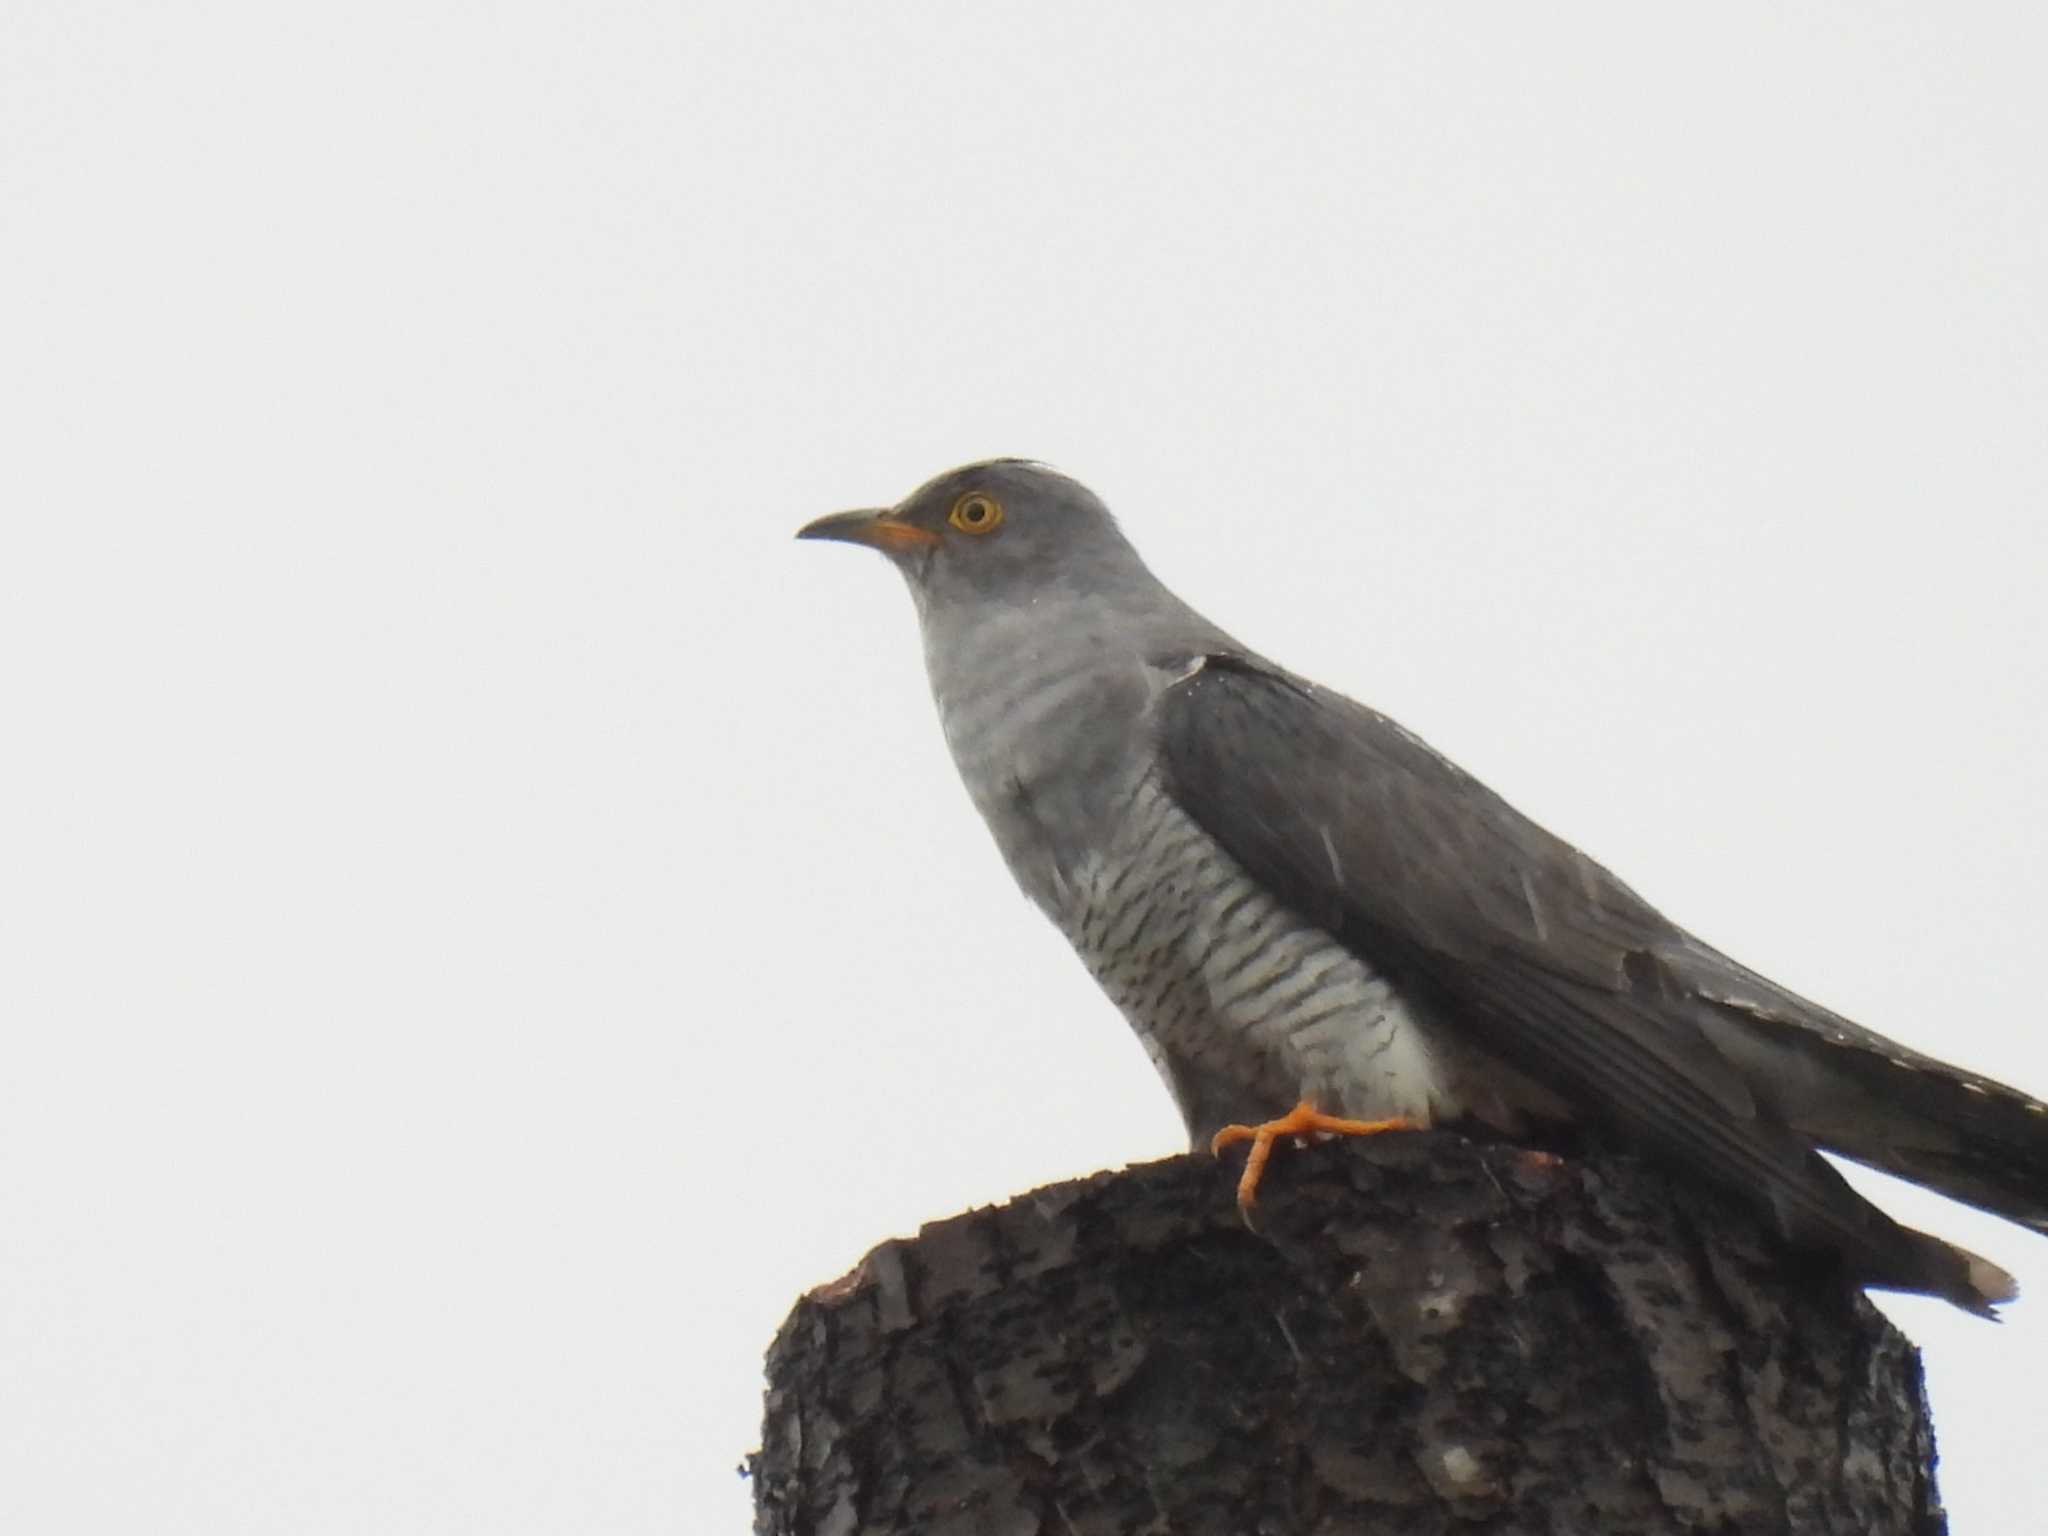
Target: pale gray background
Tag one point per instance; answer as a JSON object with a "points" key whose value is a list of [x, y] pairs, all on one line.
{"points": [[488, 920]]}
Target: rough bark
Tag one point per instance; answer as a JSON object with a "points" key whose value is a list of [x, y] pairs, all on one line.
{"points": [[1424, 1335]]}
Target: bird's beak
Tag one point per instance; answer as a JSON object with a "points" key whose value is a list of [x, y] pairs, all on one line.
{"points": [[877, 528]]}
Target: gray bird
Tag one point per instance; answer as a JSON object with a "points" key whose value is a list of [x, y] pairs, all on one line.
{"points": [[1296, 902]]}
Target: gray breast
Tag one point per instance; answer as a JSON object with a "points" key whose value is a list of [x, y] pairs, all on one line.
{"points": [[1243, 1006]]}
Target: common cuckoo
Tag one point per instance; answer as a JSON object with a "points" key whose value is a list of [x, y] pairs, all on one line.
{"points": [[1295, 902]]}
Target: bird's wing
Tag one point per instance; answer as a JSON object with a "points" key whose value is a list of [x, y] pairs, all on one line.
{"points": [[1542, 957]]}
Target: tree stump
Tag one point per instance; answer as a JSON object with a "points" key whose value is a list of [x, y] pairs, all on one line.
{"points": [[1423, 1335]]}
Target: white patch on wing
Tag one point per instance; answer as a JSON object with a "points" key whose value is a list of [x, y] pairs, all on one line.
{"points": [[1587, 880], [1459, 1464], [1535, 912]]}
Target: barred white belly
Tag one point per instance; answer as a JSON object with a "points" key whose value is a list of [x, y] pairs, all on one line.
{"points": [[1243, 1006]]}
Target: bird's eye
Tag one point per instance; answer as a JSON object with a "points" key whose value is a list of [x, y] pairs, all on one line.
{"points": [[976, 512]]}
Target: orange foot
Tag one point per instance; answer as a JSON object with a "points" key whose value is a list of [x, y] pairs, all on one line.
{"points": [[1302, 1120]]}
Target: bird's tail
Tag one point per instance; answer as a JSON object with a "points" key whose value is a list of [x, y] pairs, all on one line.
{"points": [[1858, 1094], [1853, 1092], [1939, 1268], [1975, 1141]]}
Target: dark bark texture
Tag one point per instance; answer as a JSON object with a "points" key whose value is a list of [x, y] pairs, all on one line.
{"points": [[1424, 1335]]}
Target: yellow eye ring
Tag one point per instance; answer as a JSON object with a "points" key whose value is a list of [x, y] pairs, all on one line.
{"points": [[976, 512]]}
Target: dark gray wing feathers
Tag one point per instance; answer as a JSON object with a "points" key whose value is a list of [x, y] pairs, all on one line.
{"points": [[1548, 960]]}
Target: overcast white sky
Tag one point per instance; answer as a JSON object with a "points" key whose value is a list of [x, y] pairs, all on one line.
{"points": [[486, 920]]}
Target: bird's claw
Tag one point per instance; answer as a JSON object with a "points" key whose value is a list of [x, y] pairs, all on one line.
{"points": [[1302, 1120]]}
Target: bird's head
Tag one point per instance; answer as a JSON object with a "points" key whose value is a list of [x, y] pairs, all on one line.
{"points": [[1007, 529]]}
